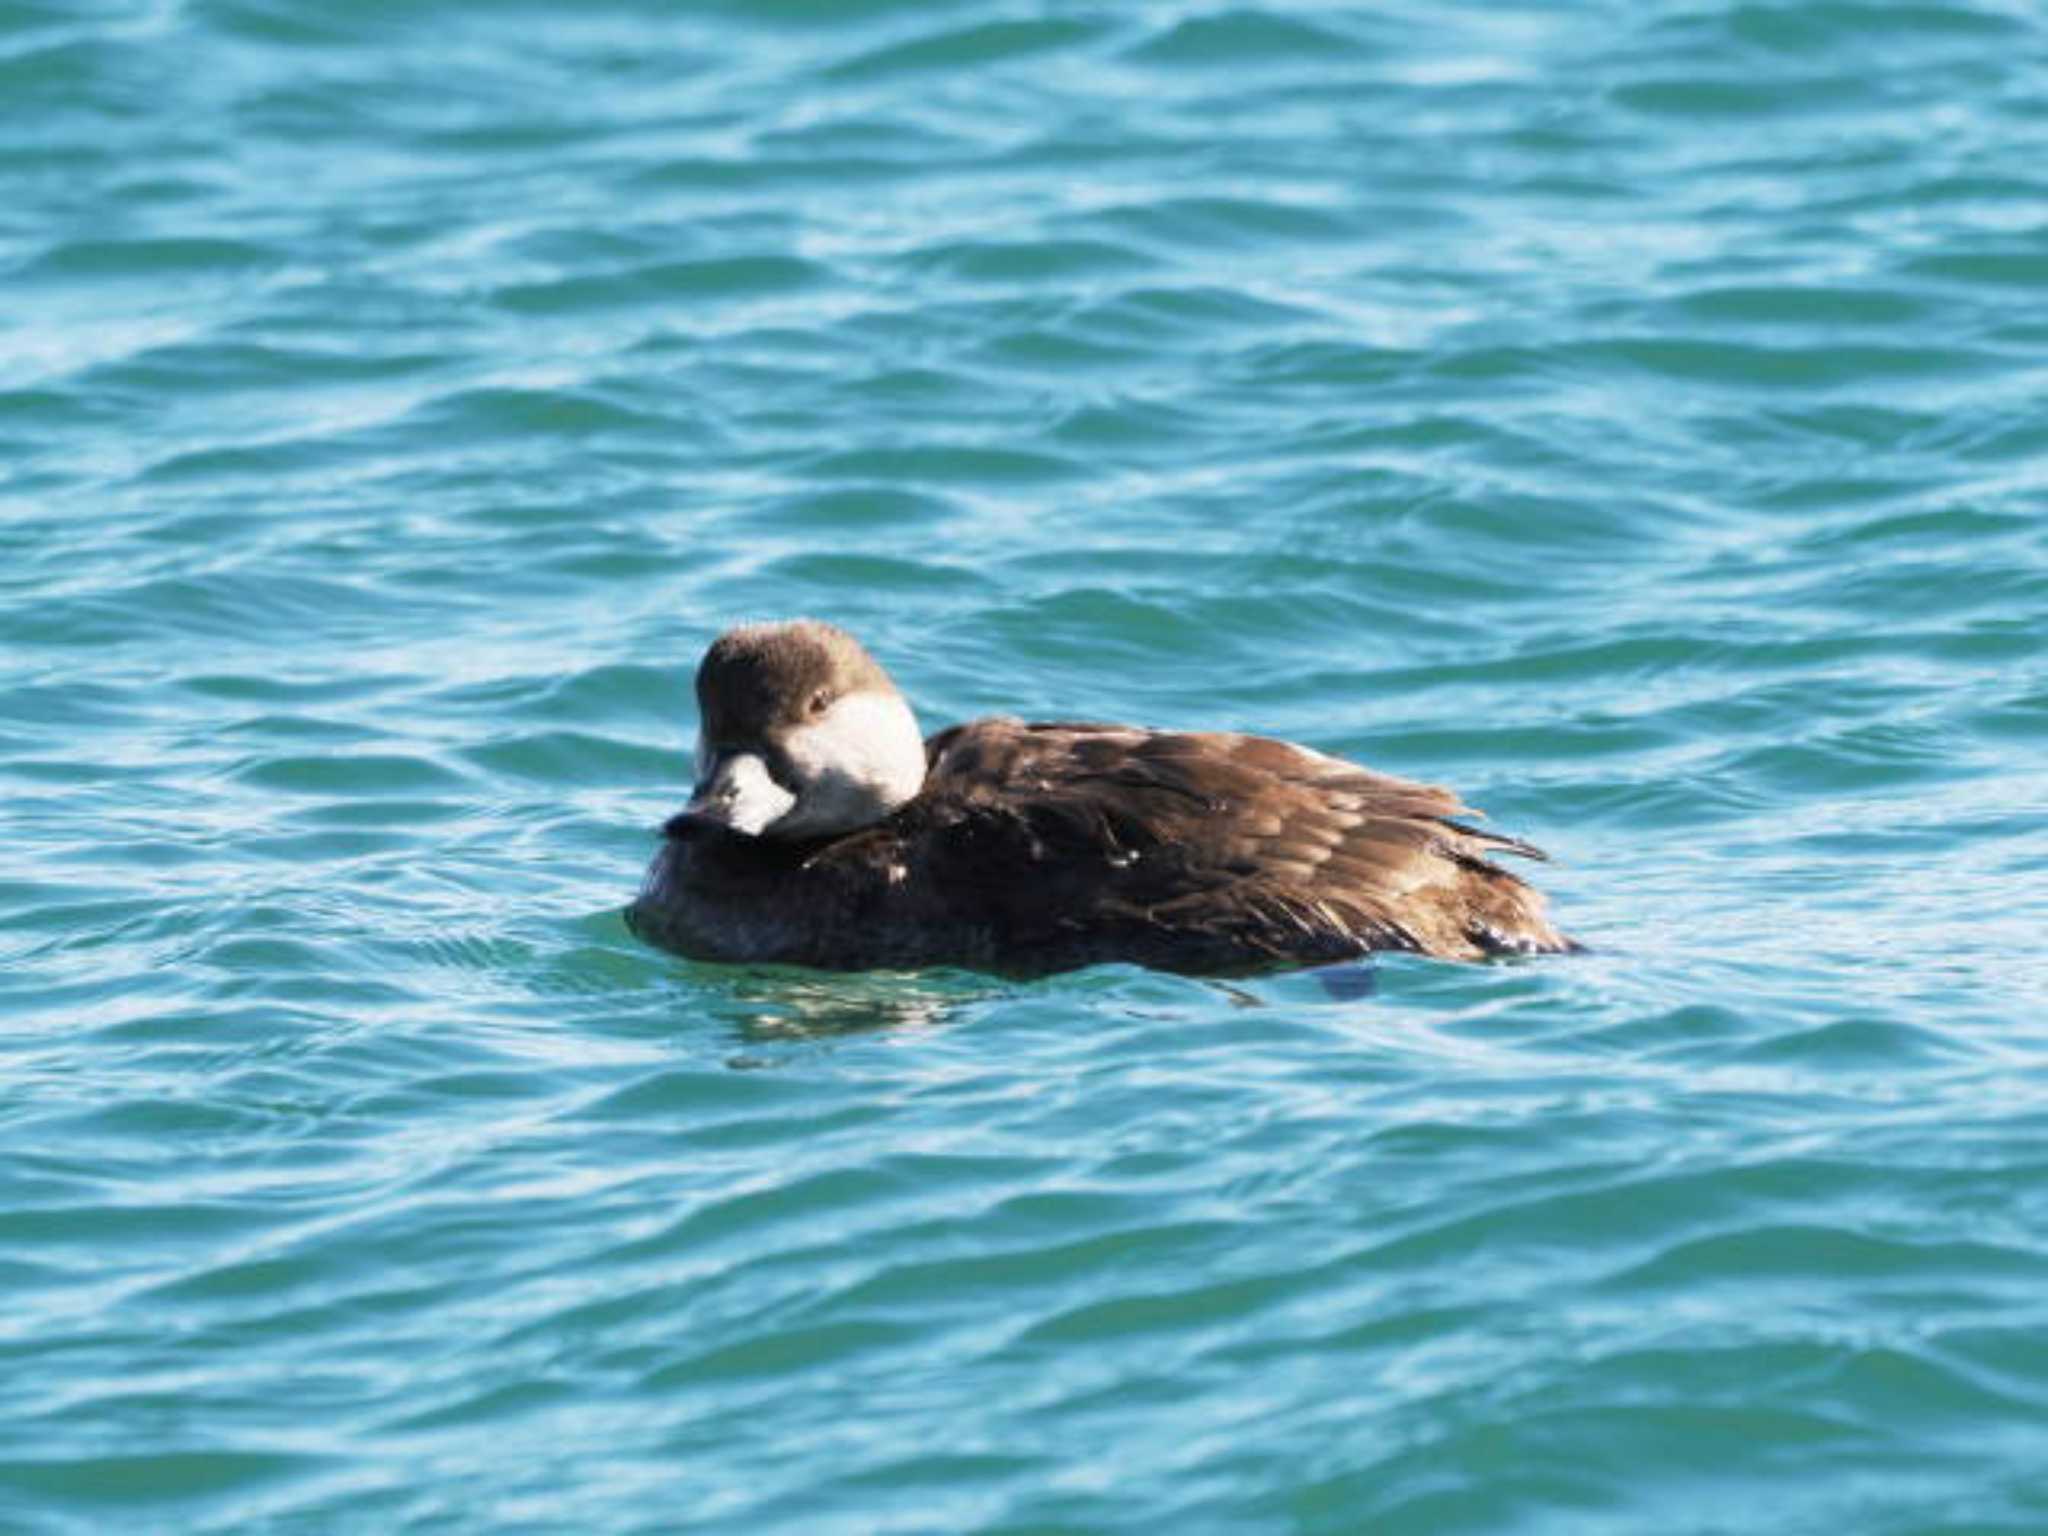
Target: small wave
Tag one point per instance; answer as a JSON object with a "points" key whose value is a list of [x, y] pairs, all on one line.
{"points": [[1029, 263], [162, 257], [1232, 40], [1805, 1252], [986, 44], [353, 775], [961, 464], [674, 281]]}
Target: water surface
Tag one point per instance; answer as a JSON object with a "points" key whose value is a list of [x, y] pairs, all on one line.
{"points": [[1628, 414]]}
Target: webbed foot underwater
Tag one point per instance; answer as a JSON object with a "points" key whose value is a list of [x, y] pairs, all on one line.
{"points": [[826, 831]]}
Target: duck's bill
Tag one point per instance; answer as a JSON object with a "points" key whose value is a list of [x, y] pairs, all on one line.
{"points": [[740, 795]]}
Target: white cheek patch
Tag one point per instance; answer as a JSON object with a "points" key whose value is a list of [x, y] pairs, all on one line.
{"points": [[856, 764]]}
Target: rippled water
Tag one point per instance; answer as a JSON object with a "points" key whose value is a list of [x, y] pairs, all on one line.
{"points": [[1630, 414]]}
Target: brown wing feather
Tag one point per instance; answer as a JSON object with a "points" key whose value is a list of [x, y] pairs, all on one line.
{"points": [[1242, 847]]}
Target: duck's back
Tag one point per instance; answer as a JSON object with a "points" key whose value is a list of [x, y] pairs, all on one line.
{"points": [[1042, 847]]}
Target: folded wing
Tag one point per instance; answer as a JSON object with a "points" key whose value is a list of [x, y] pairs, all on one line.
{"points": [[1214, 851]]}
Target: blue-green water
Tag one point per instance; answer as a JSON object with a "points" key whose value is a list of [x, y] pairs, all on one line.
{"points": [[1629, 413]]}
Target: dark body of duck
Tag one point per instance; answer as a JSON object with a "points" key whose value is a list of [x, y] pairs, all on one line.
{"points": [[825, 833]]}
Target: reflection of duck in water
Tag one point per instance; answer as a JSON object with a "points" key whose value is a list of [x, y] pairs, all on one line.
{"points": [[825, 832]]}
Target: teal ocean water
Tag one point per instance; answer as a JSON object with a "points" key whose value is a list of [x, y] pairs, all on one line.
{"points": [[1628, 414]]}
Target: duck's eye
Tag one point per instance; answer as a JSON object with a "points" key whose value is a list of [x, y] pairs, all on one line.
{"points": [[820, 701]]}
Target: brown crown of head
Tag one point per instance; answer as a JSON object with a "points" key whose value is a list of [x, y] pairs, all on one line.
{"points": [[760, 681]]}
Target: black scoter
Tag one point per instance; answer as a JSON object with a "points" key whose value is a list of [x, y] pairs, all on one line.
{"points": [[826, 831]]}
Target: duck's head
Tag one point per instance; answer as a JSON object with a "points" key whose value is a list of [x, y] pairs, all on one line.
{"points": [[801, 734]]}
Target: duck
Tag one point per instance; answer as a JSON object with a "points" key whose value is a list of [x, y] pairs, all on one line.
{"points": [[825, 830]]}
